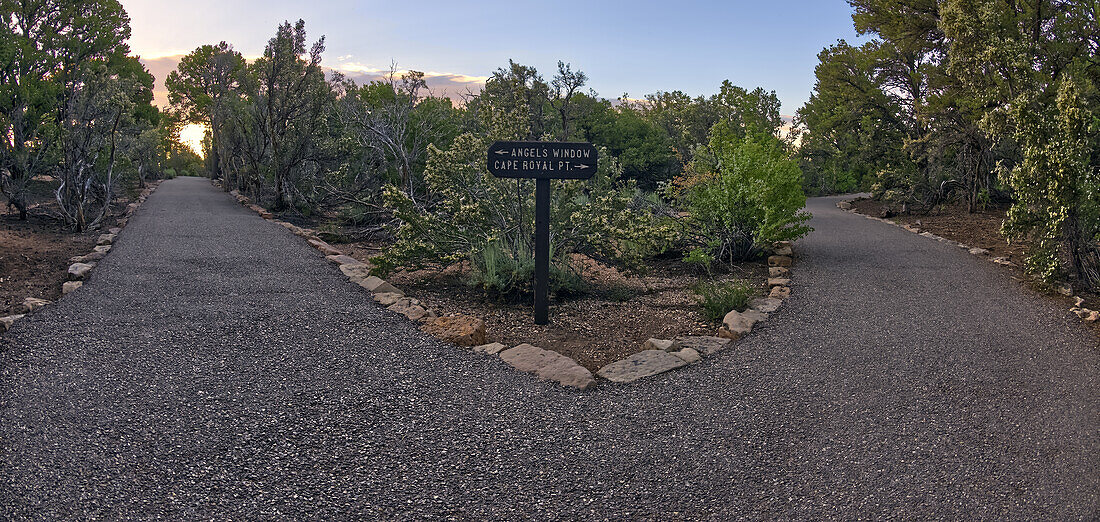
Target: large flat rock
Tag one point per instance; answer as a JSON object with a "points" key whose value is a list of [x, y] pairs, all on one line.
{"points": [[640, 365]]}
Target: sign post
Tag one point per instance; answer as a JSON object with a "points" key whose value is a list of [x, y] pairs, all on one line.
{"points": [[542, 161]]}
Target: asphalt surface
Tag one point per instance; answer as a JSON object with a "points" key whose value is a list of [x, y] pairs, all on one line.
{"points": [[215, 366]]}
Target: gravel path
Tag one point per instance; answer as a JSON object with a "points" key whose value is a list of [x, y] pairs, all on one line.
{"points": [[216, 366]]}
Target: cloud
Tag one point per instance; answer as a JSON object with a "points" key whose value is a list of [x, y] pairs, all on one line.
{"points": [[452, 85]]}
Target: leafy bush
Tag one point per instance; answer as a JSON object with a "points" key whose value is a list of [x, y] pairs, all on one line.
{"points": [[718, 298], [753, 199], [472, 215]]}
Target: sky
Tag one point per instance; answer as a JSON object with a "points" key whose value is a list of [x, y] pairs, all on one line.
{"points": [[634, 48]]}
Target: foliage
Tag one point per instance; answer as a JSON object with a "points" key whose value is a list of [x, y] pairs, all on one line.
{"points": [[753, 199], [718, 298]]}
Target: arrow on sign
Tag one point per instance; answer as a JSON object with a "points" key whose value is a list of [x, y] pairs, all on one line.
{"points": [[503, 152], [582, 166]]}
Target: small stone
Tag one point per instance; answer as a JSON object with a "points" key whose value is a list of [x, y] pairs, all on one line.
{"points": [[342, 259], [844, 205], [765, 304], [911, 228], [377, 285], [403, 304], [105, 239], [78, 271], [31, 304], [688, 355], [784, 251], [736, 324], [978, 251], [102, 249], [703, 344], [641, 364], [1093, 316], [567, 372], [114, 230], [1083, 313], [778, 271], [6, 322], [463, 330], [1002, 261], [489, 349], [415, 313], [778, 281], [929, 235], [657, 344], [71, 286], [963, 246], [325, 248], [1064, 289], [387, 298], [780, 292], [1078, 301], [356, 272], [784, 261]]}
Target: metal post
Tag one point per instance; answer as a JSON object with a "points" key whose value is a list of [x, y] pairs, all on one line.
{"points": [[542, 251]]}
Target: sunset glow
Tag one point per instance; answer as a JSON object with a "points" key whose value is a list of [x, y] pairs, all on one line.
{"points": [[192, 135]]}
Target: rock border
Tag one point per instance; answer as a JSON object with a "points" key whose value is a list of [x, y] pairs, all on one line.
{"points": [[1085, 314], [469, 332], [82, 266]]}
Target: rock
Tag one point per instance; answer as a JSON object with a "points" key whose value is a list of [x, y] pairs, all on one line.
{"points": [[641, 364], [102, 249], [377, 285], [778, 271], [105, 239], [489, 349], [929, 235], [463, 330], [403, 304], [1002, 261], [736, 325], [325, 248], [6, 322], [548, 365], [911, 228], [31, 304], [688, 355], [657, 344], [1078, 301], [784, 261], [528, 358], [1064, 289], [344, 260], [415, 313], [78, 271], [567, 372], [784, 251], [780, 292], [1093, 316], [356, 272], [844, 205], [778, 281], [1083, 313], [978, 251], [387, 298], [963, 246], [765, 304], [702, 344], [71, 286]]}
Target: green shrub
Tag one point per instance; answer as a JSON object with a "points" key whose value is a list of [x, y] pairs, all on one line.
{"points": [[752, 200], [717, 298], [510, 272]]}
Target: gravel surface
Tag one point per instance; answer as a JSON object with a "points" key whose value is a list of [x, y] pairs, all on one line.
{"points": [[214, 366]]}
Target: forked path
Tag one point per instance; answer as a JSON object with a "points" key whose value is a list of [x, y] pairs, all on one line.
{"points": [[216, 366]]}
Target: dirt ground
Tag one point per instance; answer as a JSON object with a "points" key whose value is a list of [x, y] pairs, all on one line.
{"points": [[980, 229], [605, 325], [34, 254]]}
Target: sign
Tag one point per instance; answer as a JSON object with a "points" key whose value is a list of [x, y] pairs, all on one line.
{"points": [[542, 161]]}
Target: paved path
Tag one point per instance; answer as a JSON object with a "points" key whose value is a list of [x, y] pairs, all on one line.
{"points": [[215, 366]]}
